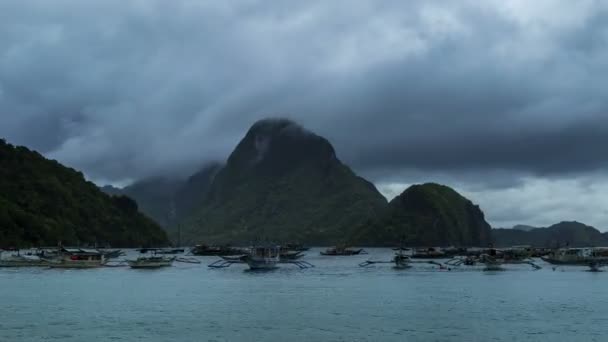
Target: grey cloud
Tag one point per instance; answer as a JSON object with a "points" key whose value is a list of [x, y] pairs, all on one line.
{"points": [[124, 90]]}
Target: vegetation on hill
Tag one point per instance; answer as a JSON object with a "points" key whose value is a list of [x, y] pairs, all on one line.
{"points": [[43, 203], [283, 183], [428, 215]]}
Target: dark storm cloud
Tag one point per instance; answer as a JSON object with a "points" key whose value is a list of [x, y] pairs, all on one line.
{"points": [[124, 90]]}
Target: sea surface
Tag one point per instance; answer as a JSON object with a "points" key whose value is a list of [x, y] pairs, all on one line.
{"points": [[335, 301]]}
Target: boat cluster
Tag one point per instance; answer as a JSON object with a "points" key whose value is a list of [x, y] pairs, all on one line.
{"points": [[271, 256], [64, 257], [493, 259]]}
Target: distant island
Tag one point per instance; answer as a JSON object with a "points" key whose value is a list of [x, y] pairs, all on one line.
{"points": [[572, 234]]}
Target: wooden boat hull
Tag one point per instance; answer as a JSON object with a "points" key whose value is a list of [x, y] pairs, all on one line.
{"points": [[74, 265], [262, 266], [579, 262], [13, 263], [257, 263], [342, 253], [428, 256], [150, 265]]}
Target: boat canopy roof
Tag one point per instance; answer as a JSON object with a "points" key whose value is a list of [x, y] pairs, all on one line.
{"points": [[80, 251]]}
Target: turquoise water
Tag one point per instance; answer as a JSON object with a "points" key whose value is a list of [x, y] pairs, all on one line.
{"points": [[335, 301]]}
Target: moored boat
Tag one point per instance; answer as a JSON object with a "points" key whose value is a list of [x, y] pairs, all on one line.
{"points": [[263, 258], [77, 258], [428, 253], [151, 262], [260, 258], [576, 256], [205, 250], [342, 250], [17, 260]]}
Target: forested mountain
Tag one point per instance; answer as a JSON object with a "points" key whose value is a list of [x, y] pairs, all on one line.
{"points": [[283, 183], [43, 202], [428, 215]]}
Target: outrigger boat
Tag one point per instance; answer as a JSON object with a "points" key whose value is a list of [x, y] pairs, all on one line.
{"points": [[576, 256], [77, 258], [205, 250], [428, 253], [162, 250], [401, 261], [18, 260], [152, 261], [492, 261], [260, 258], [342, 250]]}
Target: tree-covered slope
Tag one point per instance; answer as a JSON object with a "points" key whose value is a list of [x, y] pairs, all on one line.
{"points": [[283, 183], [43, 202], [428, 215]]}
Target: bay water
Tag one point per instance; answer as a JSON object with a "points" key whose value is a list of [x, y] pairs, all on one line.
{"points": [[335, 301]]}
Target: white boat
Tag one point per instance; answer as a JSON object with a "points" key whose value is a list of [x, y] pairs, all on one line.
{"points": [[77, 258], [260, 258], [576, 256], [151, 262], [263, 258], [17, 260]]}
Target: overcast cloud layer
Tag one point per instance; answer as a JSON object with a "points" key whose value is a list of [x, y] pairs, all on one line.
{"points": [[504, 100]]}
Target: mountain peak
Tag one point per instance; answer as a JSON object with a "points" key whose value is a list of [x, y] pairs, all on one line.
{"points": [[279, 126], [279, 144]]}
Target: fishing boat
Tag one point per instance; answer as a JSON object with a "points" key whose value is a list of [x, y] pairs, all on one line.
{"points": [[402, 261], [151, 262], [576, 256], [263, 258], [162, 250], [205, 250], [18, 260], [428, 253], [342, 250], [296, 247], [493, 260], [259, 258], [77, 258]]}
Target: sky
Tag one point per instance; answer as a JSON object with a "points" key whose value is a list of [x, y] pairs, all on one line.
{"points": [[504, 100]]}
